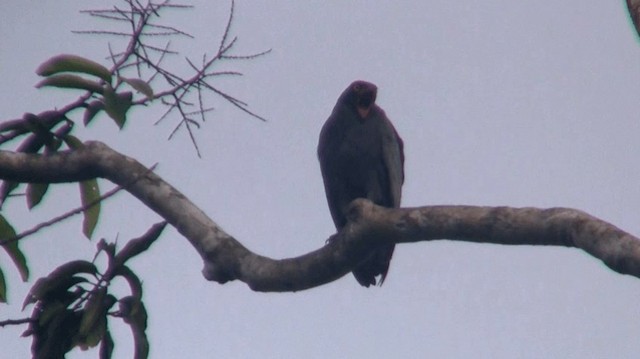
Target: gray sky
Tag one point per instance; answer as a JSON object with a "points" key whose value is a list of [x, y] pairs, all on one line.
{"points": [[499, 103]]}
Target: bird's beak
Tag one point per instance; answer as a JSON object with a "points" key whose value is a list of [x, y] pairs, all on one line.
{"points": [[365, 102], [363, 111]]}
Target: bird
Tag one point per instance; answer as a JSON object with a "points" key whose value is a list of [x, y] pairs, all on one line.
{"points": [[361, 155]]}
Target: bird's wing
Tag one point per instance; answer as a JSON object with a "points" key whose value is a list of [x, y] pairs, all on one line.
{"points": [[393, 157], [335, 189]]}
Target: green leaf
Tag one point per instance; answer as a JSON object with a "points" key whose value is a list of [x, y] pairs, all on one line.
{"points": [[69, 81], [117, 104], [73, 63], [18, 258], [140, 86], [35, 193], [50, 311], [90, 197], [3, 288], [89, 194], [73, 142], [94, 320], [92, 110], [93, 310]]}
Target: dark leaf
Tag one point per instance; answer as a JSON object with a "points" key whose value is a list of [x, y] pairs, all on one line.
{"points": [[71, 82], [3, 288], [90, 197], [5, 190], [73, 63], [141, 244], [117, 104], [35, 193], [106, 346], [141, 86], [53, 339], [59, 279], [134, 282], [94, 320], [54, 291], [92, 110], [135, 314], [73, 142], [32, 144], [18, 258]]}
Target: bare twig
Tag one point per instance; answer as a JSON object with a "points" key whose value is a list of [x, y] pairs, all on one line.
{"points": [[140, 18], [4, 323]]}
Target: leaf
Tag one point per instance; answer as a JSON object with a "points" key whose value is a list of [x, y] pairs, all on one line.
{"points": [[32, 144], [58, 134], [92, 110], [117, 104], [134, 282], [94, 320], [106, 346], [73, 142], [71, 82], [3, 288], [93, 326], [5, 190], [53, 339], [35, 141], [35, 193], [90, 198], [54, 289], [73, 63], [141, 244], [134, 313], [50, 311], [89, 194], [18, 258], [59, 281], [140, 86], [108, 248], [93, 310], [40, 136]]}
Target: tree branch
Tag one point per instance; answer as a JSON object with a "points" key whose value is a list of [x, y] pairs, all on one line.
{"points": [[227, 259], [559, 226]]}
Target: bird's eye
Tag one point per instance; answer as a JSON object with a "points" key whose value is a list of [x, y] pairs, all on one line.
{"points": [[357, 87]]}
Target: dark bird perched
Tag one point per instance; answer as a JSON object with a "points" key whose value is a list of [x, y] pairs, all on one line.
{"points": [[361, 156]]}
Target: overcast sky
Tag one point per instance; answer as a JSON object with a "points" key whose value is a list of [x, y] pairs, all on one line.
{"points": [[501, 102]]}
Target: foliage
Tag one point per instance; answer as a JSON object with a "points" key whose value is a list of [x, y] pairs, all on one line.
{"points": [[73, 303]]}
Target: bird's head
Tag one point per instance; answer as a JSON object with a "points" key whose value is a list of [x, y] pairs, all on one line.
{"points": [[362, 96]]}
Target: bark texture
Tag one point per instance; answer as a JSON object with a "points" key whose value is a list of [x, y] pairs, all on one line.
{"points": [[227, 259]]}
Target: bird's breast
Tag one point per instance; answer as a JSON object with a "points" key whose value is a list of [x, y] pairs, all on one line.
{"points": [[360, 148]]}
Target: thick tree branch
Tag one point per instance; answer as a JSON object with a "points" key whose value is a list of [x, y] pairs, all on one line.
{"points": [[565, 227], [227, 259]]}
